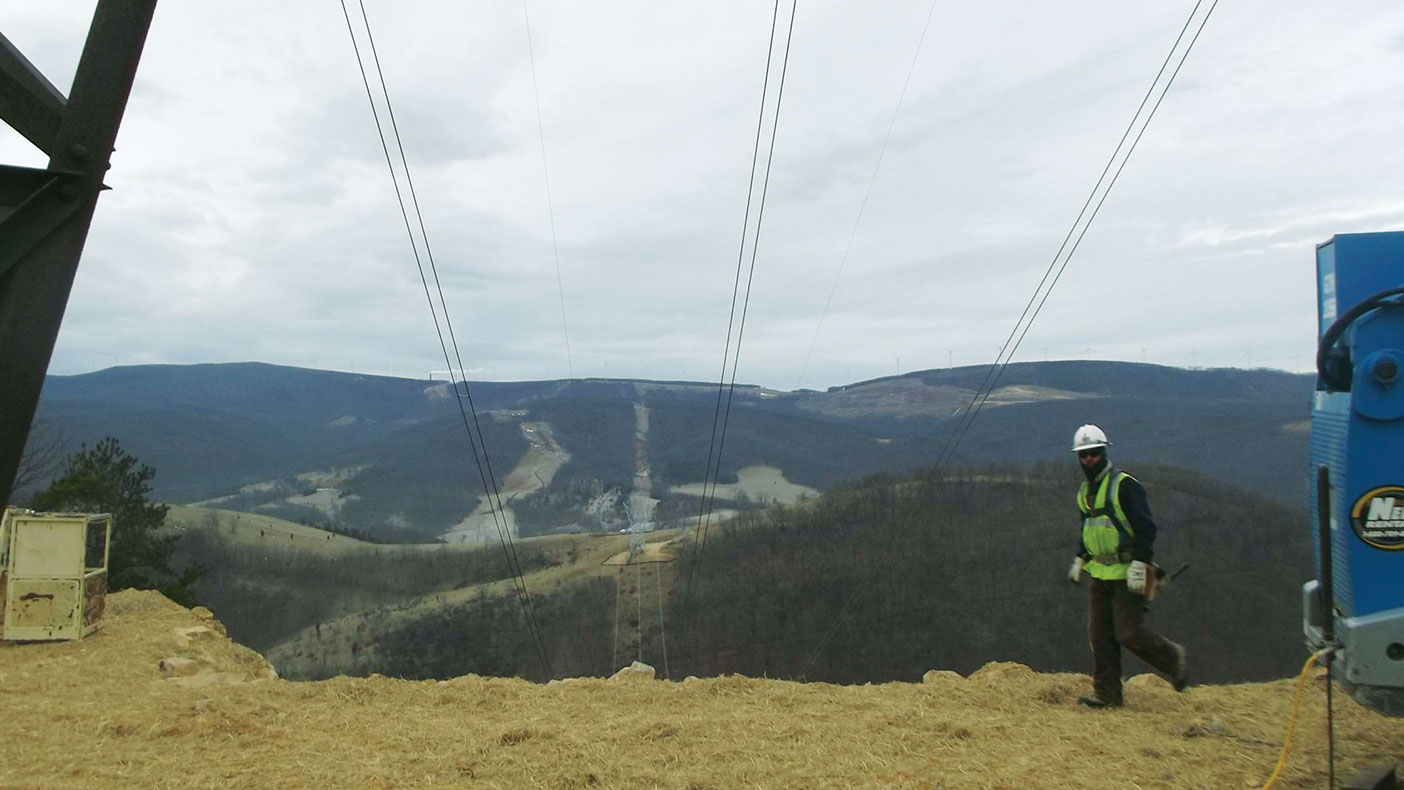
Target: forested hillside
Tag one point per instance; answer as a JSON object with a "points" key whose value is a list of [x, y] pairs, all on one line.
{"points": [[887, 578], [884, 578], [267, 591]]}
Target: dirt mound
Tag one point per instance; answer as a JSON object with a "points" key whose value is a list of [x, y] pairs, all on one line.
{"points": [[102, 713], [1001, 672]]}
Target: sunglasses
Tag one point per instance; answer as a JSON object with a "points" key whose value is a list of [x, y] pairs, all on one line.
{"points": [[1089, 453]]}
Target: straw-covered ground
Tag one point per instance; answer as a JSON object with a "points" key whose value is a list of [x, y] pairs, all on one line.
{"points": [[105, 712]]}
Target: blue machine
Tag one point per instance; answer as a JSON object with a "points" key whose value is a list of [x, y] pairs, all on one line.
{"points": [[1356, 605]]}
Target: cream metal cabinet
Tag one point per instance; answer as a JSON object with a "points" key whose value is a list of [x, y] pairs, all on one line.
{"points": [[55, 573]]}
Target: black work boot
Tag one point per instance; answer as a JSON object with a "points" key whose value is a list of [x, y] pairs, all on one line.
{"points": [[1181, 679], [1096, 703]]}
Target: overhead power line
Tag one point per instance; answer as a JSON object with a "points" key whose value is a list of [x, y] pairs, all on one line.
{"points": [[662, 634], [550, 203], [843, 260], [1026, 318], [715, 446], [996, 370], [702, 512], [489, 481]]}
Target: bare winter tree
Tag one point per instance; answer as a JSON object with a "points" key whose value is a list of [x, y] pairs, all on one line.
{"points": [[40, 463]]}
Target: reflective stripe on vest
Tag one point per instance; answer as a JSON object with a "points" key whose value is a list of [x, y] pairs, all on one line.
{"points": [[1106, 534]]}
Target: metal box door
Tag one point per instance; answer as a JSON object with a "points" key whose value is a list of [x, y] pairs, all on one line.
{"points": [[42, 609]]}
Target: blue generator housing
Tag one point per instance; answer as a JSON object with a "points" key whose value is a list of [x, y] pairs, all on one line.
{"points": [[1357, 455]]}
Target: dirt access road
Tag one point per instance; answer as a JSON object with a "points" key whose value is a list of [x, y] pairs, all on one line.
{"points": [[543, 458], [641, 502]]}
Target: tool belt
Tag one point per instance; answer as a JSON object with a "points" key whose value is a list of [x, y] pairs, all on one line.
{"points": [[1113, 559]]}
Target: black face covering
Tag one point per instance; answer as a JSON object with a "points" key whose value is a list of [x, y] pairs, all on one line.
{"points": [[1095, 469]]}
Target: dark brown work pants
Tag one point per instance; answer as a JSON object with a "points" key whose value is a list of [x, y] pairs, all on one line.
{"points": [[1116, 619]]}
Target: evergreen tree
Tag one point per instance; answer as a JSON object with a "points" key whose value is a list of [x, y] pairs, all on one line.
{"points": [[107, 479]]}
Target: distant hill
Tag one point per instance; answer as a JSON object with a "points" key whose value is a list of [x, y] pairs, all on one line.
{"points": [[876, 581], [1117, 378], [262, 436]]}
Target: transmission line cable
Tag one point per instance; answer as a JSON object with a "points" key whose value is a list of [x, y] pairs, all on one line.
{"points": [[996, 369], [751, 274], [550, 203], [989, 373], [448, 322], [490, 490], [513, 561], [493, 494], [705, 518], [731, 317], [662, 634], [618, 588], [843, 260]]}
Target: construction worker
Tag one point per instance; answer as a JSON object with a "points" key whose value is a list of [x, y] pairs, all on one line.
{"points": [[1118, 540]]}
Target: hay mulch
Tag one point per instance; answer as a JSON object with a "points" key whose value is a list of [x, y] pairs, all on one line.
{"points": [[102, 713]]}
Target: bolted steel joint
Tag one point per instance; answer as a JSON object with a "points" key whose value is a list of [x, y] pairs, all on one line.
{"points": [[1385, 371]]}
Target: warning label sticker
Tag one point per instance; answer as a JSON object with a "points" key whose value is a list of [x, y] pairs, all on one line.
{"points": [[1378, 517]]}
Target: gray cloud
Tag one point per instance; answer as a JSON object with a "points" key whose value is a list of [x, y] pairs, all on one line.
{"points": [[252, 215]]}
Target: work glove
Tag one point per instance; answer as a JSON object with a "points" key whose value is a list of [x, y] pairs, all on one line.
{"points": [[1136, 577], [1075, 572]]}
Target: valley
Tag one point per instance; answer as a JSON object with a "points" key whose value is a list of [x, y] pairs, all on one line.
{"points": [[351, 644], [352, 534]]}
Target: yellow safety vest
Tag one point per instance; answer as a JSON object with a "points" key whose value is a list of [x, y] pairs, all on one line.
{"points": [[1106, 534]]}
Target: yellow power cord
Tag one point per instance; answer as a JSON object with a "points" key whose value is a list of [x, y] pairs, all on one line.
{"points": [[1292, 722]]}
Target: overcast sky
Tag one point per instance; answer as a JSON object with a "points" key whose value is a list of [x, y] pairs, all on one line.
{"points": [[253, 217]]}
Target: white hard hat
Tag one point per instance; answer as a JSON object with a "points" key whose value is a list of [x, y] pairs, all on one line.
{"points": [[1089, 436]]}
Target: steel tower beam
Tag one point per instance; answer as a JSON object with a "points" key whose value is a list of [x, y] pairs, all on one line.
{"points": [[45, 214]]}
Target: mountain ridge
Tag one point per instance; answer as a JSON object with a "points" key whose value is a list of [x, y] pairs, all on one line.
{"points": [[212, 429]]}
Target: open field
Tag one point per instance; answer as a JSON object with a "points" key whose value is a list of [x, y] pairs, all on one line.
{"points": [[907, 397], [257, 529], [253, 529], [229, 725], [651, 552], [758, 483], [333, 477], [328, 501]]}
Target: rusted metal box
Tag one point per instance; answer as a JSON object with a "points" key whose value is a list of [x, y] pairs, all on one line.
{"points": [[54, 569]]}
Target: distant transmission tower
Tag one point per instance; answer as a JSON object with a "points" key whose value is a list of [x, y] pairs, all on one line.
{"points": [[636, 532]]}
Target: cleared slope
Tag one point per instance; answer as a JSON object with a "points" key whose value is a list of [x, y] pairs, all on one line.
{"points": [[269, 579], [64, 725], [350, 643]]}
